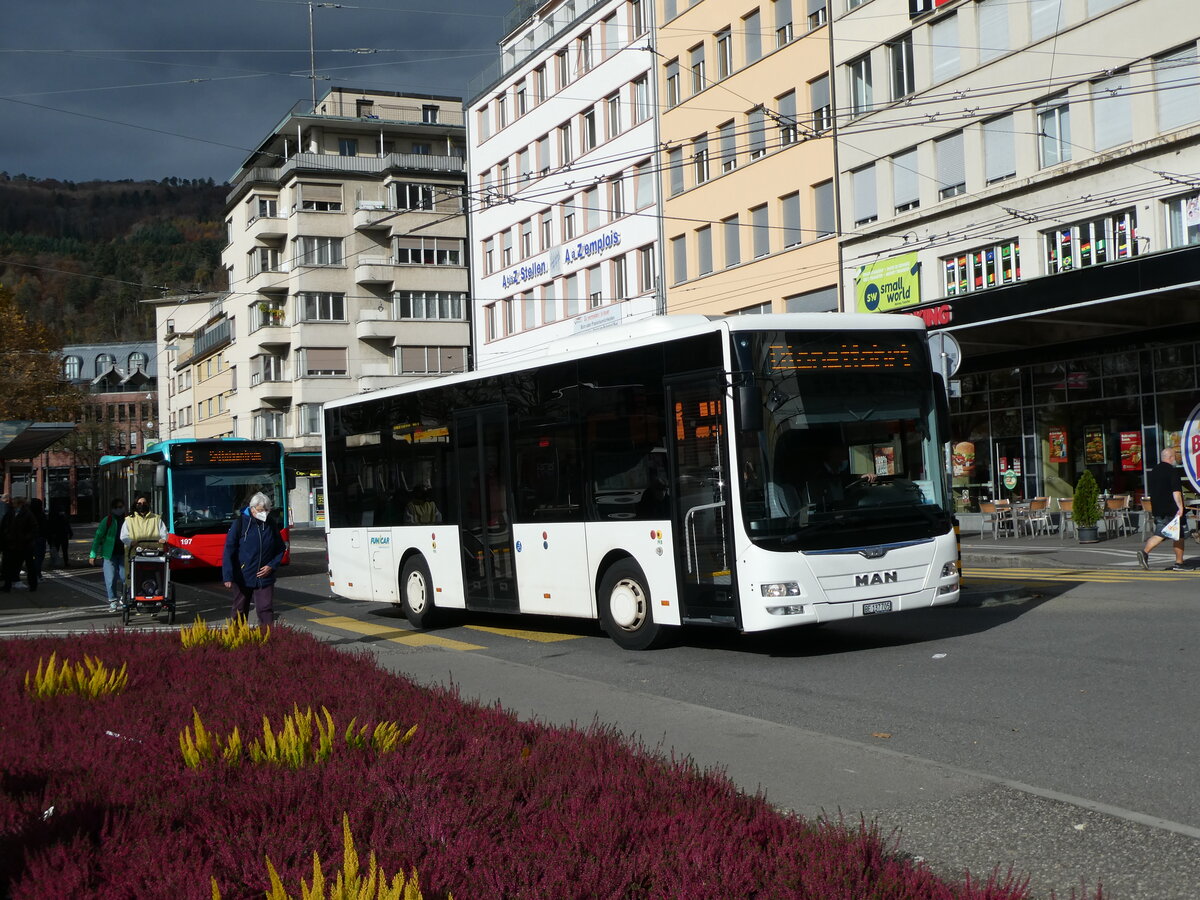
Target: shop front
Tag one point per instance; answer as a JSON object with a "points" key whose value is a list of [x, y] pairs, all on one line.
{"points": [[1095, 369]]}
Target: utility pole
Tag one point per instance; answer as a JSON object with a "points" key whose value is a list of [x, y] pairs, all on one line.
{"points": [[312, 59]]}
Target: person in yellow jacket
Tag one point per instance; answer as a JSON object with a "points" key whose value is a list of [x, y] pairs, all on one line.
{"points": [[143, 525]]}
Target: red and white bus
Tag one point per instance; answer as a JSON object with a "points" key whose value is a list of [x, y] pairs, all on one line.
{"points": [[750, 472], [199, 487]]}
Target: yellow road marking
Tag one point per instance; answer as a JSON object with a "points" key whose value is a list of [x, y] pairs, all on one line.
{"points": [[397, 635], [311, 609], [545, 637]]}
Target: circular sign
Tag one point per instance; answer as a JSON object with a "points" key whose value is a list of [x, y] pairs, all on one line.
{"points": [[1190, 448], [942, 342], [871, 297], [1010, 480]]}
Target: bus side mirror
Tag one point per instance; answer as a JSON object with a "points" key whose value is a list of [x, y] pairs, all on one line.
{"points": [[943, 409], [290, 478], [160, 476], [749, 406]]}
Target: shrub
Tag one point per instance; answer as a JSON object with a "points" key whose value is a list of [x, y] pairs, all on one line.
{"points": [[91, 678], [1086, 510], [233, 634]]}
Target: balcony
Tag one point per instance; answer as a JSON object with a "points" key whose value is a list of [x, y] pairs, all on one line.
{"points": [[374, 270], [270, 386], [370, 215], [332, 164], [268, 227], [269, 281], [378, 330]]}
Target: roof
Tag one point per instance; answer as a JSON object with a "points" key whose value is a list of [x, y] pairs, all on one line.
{"points": [[25, 439]]}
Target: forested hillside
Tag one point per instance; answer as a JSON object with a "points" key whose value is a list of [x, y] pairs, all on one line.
{"points": [[80, 257]]}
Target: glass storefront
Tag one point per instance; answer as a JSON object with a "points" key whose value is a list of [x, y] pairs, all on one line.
{"points": [[1032, 430]]}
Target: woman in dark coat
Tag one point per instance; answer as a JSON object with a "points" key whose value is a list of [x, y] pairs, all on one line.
{"points": [[254, 549]]}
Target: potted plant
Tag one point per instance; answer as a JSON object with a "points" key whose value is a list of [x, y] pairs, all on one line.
{"points": [[1086, 511]]}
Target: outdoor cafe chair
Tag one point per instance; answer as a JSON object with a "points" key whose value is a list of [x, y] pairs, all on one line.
{"points": [[996, 515], [1117, 514], [1066, 511], [1037, 516], [1147, 516]]}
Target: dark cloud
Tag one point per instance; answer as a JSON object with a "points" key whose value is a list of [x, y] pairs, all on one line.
{"points": [[129, 89]]}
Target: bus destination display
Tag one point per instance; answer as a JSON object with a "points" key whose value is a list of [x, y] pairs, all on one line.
{"points": [[792, 358], [224, 455]]}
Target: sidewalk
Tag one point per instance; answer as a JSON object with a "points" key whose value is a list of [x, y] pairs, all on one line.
{"points": [[1052, 552]]}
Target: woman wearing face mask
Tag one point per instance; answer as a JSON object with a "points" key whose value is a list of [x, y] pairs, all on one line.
{"points": [[253, 551]]}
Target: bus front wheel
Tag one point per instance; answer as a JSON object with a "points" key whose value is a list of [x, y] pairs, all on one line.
{"points": [[625, 611], [416, 593]]}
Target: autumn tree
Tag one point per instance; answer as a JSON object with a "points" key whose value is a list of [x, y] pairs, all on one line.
{"points": [[32, 385]]}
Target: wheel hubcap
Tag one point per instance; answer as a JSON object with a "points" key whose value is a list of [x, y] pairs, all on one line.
{"points": [[627, 604], [414, 592]]}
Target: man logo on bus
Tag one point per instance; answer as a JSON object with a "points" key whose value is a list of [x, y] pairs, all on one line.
{"points": [[873, 578], [871, 297]]}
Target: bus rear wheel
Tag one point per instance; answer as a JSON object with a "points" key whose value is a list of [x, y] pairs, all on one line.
{"points": [[625, 611], [416, 593]]}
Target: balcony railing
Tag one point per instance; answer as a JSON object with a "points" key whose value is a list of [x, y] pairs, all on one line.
{"points": [[348, 107], [359, 165]]}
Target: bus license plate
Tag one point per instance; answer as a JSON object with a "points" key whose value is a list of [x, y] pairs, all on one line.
{"points": [[877, 607]]}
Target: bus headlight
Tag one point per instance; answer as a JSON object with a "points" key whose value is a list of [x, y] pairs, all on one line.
{"points": [[179, 553], [798, 610], [949, 570], [781, 589]]}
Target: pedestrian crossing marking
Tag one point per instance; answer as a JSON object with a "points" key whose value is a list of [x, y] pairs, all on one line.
{"points": [[396, 635], [544, 637]]}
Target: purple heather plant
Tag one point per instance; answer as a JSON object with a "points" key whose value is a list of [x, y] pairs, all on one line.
{"points": [[480, 803]]}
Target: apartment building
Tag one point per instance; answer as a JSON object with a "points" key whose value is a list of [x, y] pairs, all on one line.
{"points": [[347, 271], [564, 190], [1026, 176], [747, 169]]}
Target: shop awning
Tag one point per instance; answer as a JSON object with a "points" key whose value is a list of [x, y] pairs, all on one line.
{"points": [[24, 439]]}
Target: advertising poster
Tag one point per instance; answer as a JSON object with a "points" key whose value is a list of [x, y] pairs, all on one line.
{"points": [[1058, 445], [1131, 451], [963, 459], [885, 460], [888, 284], [1093, 446]]}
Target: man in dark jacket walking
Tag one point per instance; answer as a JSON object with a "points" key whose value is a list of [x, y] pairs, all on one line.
{"points": [[254, 549]]}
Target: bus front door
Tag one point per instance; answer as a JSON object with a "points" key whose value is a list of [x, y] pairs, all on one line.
{"points": [[699, 498], [484, 512]]}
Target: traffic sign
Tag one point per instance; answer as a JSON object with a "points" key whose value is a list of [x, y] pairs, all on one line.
{"points": [[941, 342]]}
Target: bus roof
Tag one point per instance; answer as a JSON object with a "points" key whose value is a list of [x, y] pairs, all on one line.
{"points": [[162, 449], [645, 332]]}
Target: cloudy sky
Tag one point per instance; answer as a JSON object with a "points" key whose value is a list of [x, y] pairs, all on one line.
{"points": [[114, 89]]}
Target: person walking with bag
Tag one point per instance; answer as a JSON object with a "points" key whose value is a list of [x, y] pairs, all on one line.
{"points": [[1166, 503], [254, 549], [107, 547]]}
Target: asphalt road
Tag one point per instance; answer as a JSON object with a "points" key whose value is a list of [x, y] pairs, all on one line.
{"points": [[1049, 726]]}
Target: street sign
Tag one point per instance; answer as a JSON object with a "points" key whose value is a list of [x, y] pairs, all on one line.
{"points": [[941, 342]]}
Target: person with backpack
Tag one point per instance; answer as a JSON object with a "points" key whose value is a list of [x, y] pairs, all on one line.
{"points": [[254, 548], [107, 547]]}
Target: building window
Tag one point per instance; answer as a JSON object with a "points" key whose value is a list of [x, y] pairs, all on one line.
{"points": [[1110, 112], [904, 79], [1090, 243], [704, 254], [816, 14], [786, 105], [696, 55], [943, 34], [866, 208], [644, 180], [731, 232], [545, 230], [616, 190], [268, 208], [613, 115], [978, 270], [724, 54], [637, 17], [826, 217], [323, 361], [426, 251], [822, 109], [758, 132], [431, 360], [72, 367], [566, 150], [527, 239], [992, 16], [543, 155], [860, 85], [308, 418], [549, 304], [906, 188], [728, 139], [590, 138], [347, 147], [784, 29], [752, 30], [646, 271], [619, 276], [1054, 131], [584, 50], [761, 231], [562, 73], [568, 218], [999, 150], [1177, 78], [267, 425], [539, 84], [595, 288], [138, 360], [673, 83], [430, 305], [679, 259], [489, 256], [265, 259], [320, 251], [322, 307], [501, 112], [1045, 17], [485, 123], [506, 254], [413, 196], [320, 197], [675, 165], [700, 158], [270, 313], [522, 100], [591, 209], [790, 213], [641, 99], [429, 114], [1183, 220], [951, 166]]}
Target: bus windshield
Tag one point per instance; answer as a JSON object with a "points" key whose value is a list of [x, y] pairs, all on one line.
{"points": [[847, 452], [206, 500]]}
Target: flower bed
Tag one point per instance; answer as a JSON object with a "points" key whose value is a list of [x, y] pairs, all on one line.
{"points": [[96, 799]]}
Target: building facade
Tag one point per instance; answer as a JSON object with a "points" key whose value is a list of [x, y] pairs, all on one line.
{"points": [[1026, 177], [347, 271], [565, 208], [747, 169]]}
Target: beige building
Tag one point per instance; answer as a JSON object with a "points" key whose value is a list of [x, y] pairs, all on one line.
{"points": [[347, 273], [747, 166]]}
